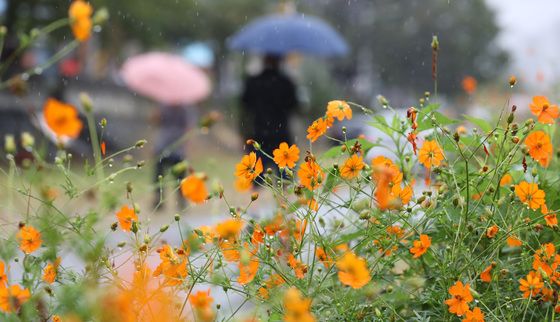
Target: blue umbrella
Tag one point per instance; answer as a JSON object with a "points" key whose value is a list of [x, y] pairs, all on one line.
{"points": [[281, 34]]}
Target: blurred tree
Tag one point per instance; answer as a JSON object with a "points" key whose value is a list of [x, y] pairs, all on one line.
{"points": [[397, 34]]}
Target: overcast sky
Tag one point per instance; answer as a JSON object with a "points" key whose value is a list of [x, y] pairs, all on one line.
{"points": [[531, 35]]}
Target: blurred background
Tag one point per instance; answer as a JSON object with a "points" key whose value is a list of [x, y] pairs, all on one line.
{"points": [[482, 43], [353, 50]]}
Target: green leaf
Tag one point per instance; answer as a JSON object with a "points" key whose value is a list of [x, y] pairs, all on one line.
{"points": [[440, 119], [336, 151], [482, 124]]}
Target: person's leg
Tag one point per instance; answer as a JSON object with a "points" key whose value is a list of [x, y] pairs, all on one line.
{"points": [[179, 175]]}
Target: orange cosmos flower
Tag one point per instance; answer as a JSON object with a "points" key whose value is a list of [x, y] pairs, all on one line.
{"points": [[540, 147], [173, 267], [339, 110], [469, 84], [273, 281], [420, 247], [126, 216], [249, 168], [513, 241], [201, 299], [430, 154], [317, 129], [460, 297], [546, 259], [50, 271], [384, 168], [492, 231], [506, 179], [531, 285], [30, 239], [201, 302], [3, 276], [297, 308], [323, 257], [229, 229], [486, 276], [248, 266], [300, 269], [230, 250], [62, 118], [11, 298], [80, 19], [551, 220], [194, 189], [310, 174], [530, 194], [545, 112], [286, 156], [352, 167], [475, 315], [353, 271]]}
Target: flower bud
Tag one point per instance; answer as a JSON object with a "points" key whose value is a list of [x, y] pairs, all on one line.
{"points": [[9, 144], [510, 118], [512, 81], [177, 217], [254, 196], [435, 43], [27, 140], [103, 122], [129, 187], [86, 102], [140, 144], [114, 226], [101, 15], [163, 228], [134, 227]]}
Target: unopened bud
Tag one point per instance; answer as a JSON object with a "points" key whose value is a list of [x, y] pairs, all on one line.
{"points": [[9, 144], [512, 81], [254, 196], [86, 102], [134, 227], [163, 228], [140, 144], [101, 15], [27, 140], [435, 43]]}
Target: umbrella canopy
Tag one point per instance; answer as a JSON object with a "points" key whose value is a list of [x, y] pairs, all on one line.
{"points": [[282, 34], [166, 78]]}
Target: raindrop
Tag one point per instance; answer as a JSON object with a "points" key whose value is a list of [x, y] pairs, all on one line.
{"points": [[25, 76], [97, 29], [38, 70]]}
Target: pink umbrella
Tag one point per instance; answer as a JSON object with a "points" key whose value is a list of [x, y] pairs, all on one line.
{"points": [[166, 78]]}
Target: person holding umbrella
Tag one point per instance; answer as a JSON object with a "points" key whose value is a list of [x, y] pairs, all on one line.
{"points": [[176, 86], [268, 100]]}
